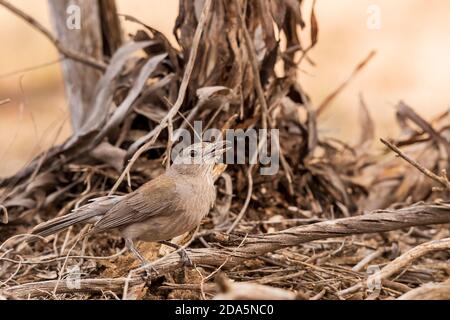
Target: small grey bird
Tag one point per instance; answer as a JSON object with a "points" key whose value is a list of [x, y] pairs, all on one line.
{"points": [[161, 209]]}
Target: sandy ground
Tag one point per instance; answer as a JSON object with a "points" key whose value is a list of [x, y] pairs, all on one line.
{"points": [[411, 64]]}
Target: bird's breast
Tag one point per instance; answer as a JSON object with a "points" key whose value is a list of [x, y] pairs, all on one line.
{"points": [[198, 197], [194, 199]]}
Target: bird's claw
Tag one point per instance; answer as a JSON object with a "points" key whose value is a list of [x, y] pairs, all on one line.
{"points": [[187, 262]]}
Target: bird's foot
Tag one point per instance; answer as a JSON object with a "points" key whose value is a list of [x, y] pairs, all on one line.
{"points": [[145, 265], [187, 262]]}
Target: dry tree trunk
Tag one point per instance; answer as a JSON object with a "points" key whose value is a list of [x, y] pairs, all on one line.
{"points": [[99, 36]]}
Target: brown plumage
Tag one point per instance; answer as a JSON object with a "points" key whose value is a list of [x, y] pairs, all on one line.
{"points": [[161, 209]]}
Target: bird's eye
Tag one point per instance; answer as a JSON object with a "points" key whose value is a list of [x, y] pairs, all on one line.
{"points": [[193, 153]]}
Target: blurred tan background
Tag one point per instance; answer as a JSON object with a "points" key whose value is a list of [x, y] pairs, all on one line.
{"points": [[411, 64]]}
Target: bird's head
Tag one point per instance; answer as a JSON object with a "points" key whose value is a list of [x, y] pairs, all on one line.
{"points": [[199, 158]]}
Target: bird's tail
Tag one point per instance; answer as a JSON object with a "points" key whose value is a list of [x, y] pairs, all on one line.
{"points": [[85, 214]]}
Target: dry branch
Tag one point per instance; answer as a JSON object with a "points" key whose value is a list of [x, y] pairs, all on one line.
{"points": [[250, 291], [77, 56], [402, 262], [443, 180], [429, 291], [406, 112], [407, 258], [5, 101], [257, 245], [326, 102]]}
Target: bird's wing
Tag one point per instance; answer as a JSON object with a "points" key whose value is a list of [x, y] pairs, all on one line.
{"points": [[153, 198]]}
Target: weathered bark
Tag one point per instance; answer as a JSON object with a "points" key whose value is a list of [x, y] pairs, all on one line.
{"points": [[429, 291], [99, 36], [111, 29]]}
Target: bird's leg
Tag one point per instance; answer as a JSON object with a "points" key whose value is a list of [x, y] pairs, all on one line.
{"points": [[181, 251], [144, 263]]}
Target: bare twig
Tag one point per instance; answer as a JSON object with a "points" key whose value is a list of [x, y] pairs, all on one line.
{"points": [[246, 202], [334, 94], [443, 180], [32, 68], [366, 121], [77, 56], [250, 291], [401, 262], [406, 111], [5, 101], [429, 291], [367, 259], [39, 260], [408, 257]]}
